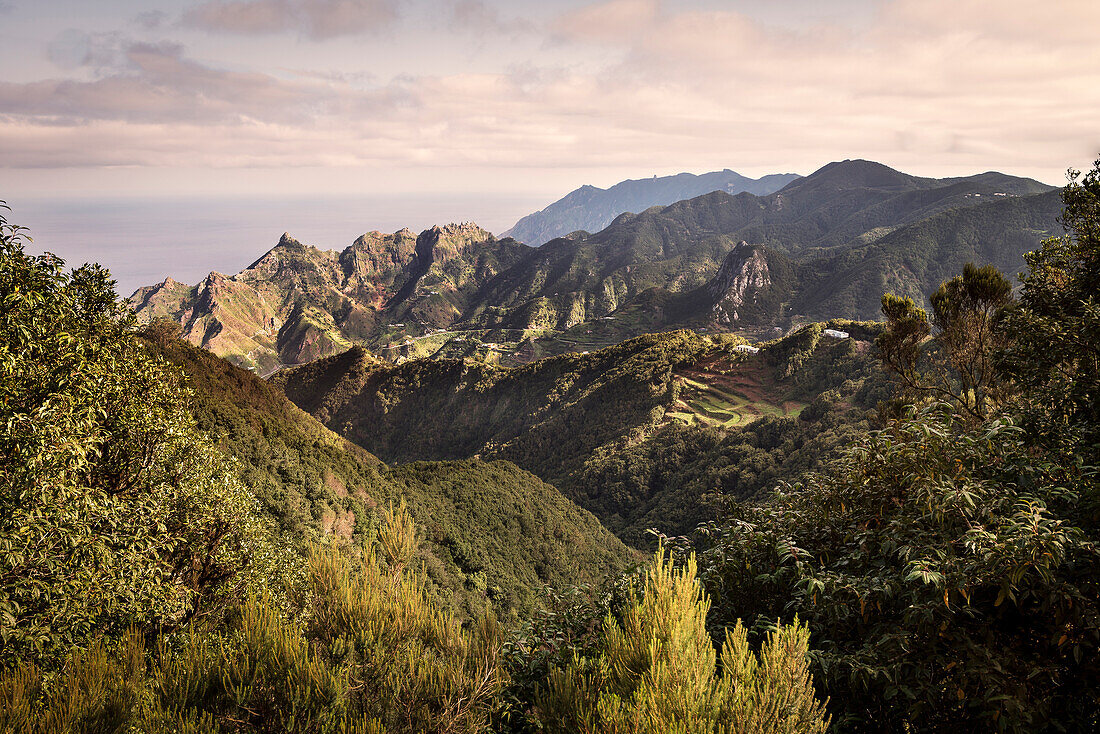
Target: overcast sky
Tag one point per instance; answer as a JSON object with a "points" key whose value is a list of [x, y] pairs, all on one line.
{"points": [[535, 97]]}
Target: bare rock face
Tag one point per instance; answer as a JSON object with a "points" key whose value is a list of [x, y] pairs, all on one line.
{"points": [[744, 275]]}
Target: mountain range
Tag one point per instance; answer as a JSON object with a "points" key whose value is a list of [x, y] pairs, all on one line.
{"points": [[590, 208], [824, 246]]}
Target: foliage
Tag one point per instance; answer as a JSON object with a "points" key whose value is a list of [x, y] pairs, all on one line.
{"points": [[1054, 350], [595, 425], [657, 671], [490, 533], [679, 476], [494, 534], [546, 416], [361, 649], [567, 624], [940, 583], [313, 484], [113, 510], [957, 364]]}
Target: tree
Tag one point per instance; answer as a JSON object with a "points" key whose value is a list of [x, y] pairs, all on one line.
{"points": [[358, 648], [956, 361], [941, 576], [657, 672], [113, 510], [1054, 349]]}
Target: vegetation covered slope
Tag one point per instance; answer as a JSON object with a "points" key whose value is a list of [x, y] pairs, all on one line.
{"points": [[680, 247], [492, 530], [591, 209], [623, 431], [758, 286], [947, 566]]}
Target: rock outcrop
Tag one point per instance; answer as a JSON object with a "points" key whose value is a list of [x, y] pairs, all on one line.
{"points": [[739, 284]]}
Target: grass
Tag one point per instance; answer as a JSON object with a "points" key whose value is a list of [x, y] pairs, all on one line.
{"points": [[715, 400]]}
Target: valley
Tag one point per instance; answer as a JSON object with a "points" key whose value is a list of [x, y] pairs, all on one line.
{"points": [[569, 367], [488, 440]]}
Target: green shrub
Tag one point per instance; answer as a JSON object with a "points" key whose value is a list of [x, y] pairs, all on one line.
{"points": [[114, 511], [658, 672]]}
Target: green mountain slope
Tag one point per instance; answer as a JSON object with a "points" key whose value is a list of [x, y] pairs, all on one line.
{"points": [[493, 532], [680, 247], [913, 260], [576, 420]]}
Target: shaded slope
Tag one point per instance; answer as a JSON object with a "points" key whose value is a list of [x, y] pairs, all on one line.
{"points": [[680, 247], [758, 286], [491, 531], [571, 419], [915, 259]]}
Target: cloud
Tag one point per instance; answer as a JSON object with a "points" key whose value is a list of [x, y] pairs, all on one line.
{"points": [[966, 81], [614, 21], [484, 19], [101, 53], [315, 19], [156, 83], [932, 86], [151, 20], [69, 49]]}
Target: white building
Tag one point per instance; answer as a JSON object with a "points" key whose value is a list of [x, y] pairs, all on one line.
{"points": [[746, 348], [836, 334]]}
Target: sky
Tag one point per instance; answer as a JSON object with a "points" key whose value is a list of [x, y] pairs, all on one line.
{"points": [[424, 107]]}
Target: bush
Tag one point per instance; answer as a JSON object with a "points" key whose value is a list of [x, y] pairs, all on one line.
{"points": [[359, 649], [941, 574], [657, 671], [113, 510]]}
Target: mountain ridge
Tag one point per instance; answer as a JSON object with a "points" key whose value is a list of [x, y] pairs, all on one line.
{"points": [[590, 208], [838, 238]]}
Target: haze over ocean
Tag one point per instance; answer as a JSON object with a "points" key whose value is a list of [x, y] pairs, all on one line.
{"points": [[143, 240]]}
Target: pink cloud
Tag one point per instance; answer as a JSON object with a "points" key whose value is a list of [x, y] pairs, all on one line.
{"points": [[683, 90], [316, 19]]}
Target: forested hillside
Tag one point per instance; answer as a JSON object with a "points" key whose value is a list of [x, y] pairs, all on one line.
{"points": [[596, 425], [491, 532]]}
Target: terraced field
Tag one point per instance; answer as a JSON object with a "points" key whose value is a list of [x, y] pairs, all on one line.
{"points": [[727, 394]]}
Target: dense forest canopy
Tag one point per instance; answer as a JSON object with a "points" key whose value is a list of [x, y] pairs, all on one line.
{"points": [[183, 550]]}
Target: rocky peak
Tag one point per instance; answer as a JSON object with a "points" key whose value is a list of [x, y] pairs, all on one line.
{"points": [[286, 241], [743, 275], [451, 240], [375, 253]]}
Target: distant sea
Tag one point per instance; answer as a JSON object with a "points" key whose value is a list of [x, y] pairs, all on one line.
{"points": [[143, 240]]}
